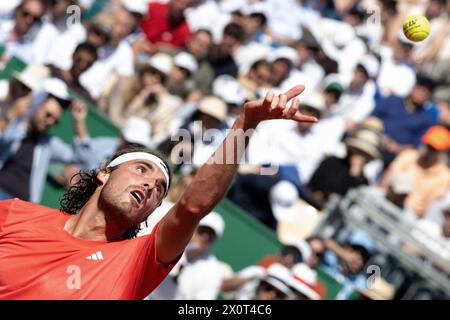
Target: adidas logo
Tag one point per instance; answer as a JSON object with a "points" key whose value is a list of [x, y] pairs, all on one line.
{"points": [[96, 256]]}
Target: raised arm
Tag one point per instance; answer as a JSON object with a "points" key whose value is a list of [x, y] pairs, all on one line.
{"points": [[214, 178]]}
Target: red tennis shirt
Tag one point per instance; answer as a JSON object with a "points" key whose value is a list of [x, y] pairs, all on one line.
{"points": [[40, 260]]}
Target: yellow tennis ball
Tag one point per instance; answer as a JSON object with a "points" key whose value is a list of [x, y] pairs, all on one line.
{"points": [[416, 28]]}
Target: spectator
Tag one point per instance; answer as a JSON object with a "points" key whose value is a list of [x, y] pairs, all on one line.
{"points": [[342, 45], [253, 47], [221, 55], [180, 81], [399, 188], [243, 285], [358, 101], [307, 50], [258, 77], [56, 24], [60, 52], [332, 91], [116, 58], [428, 167], [346, 262], [83, 58], [284, 60], [199, 45], [317, 251], [210, 115], [405, 120], [335, 176], [20, 89], [230, 91], [198, 274], [313, 141], [397, 77], [17, 34], [273, 286], [153, 101], [27, 148]]}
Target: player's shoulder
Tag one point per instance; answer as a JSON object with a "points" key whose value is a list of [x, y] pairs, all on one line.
{"points": [[19, 205]]}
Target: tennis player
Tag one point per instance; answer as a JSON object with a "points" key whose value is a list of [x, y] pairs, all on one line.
{"points": [[89, 248]]}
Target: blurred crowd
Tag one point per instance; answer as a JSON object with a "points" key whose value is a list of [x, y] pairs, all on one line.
{"points": [[161, 69]]}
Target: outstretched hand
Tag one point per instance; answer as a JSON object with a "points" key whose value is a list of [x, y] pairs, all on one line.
{"points": [[275, 107]]}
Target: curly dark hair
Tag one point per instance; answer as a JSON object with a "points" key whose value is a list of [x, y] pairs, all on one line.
{"points": [[81, 191]]}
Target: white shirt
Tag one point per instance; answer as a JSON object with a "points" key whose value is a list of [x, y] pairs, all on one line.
{"points": [[205, 146], [296, 77], [284, 18], [356, 105], [249, 53], [348, 56], [63, 45], [43, 42], [394, 78], [247, 291], [279, 142], [119, 60], [197, 280], [203, 16]]}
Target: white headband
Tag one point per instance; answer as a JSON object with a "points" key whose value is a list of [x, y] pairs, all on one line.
{"points": [[143, 156]]}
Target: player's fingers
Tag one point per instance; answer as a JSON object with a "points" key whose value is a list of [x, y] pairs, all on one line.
{"points": [[291, 111], [282, 102], [275, 102], [294, 91], [303, 118], [268, 99]]}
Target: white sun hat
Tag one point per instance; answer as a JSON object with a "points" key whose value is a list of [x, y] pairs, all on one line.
{"points": [[214, 221], [370, 64], [57, 88], [283, 198], [137, 130], [161, 62], [214, 107], [227, 88], [187, 61], [286, 53], [303, 247], [314, 100], [32, 76], [136, 6], [304, 280]]}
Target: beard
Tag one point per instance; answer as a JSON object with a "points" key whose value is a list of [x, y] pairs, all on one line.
{"points": [[118, 211], [118, 207]]}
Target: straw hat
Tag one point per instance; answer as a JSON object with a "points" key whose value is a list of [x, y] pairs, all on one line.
{"points": [[214, 107], [32, 76], [366, 141]]}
